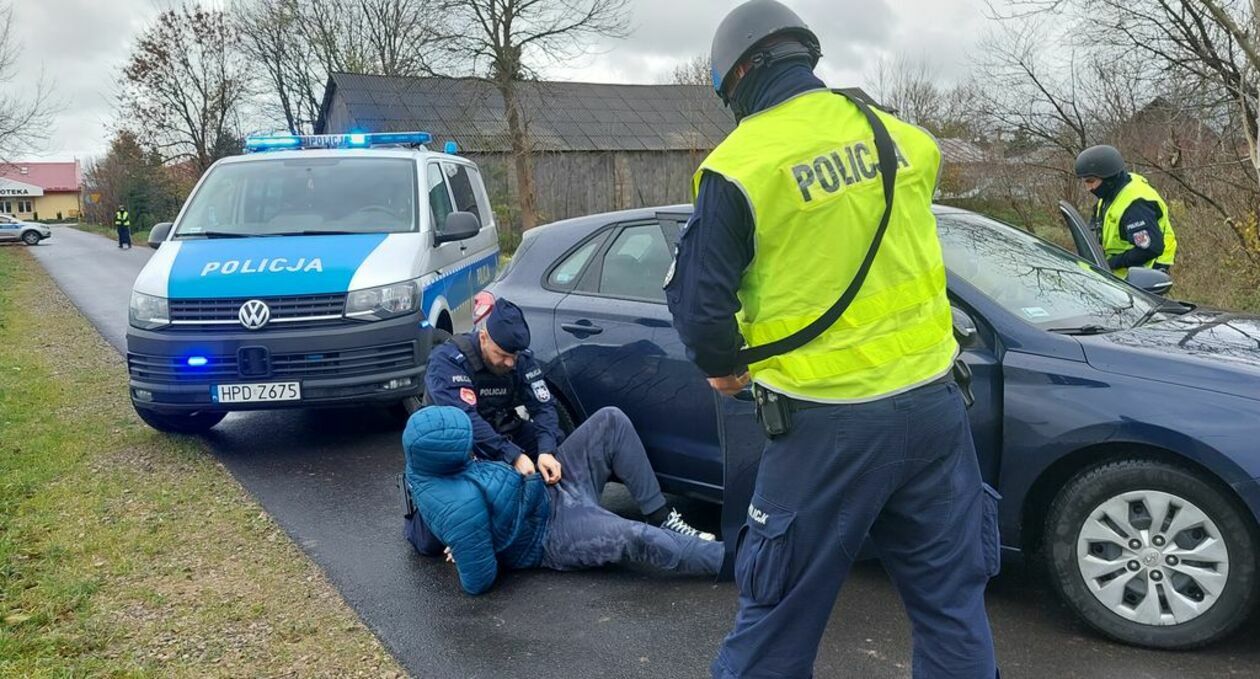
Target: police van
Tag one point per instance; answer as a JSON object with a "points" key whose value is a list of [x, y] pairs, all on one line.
{"points": [[310, 271]]}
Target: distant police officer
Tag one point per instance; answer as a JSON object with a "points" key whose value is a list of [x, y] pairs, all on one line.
{"points": [[122, 222], [488, 374], [869, 433], [1130, 217]]}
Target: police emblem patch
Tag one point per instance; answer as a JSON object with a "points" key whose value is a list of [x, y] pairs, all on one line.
{"points": [[541, 392], [468, 396], [1142, 239]]}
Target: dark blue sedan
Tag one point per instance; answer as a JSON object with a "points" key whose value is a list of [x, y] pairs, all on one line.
{"points": [[1122, 429]]}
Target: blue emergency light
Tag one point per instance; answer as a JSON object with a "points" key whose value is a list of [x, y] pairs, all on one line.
{"points": [[451, 148], [352, 140], [197, 361]]}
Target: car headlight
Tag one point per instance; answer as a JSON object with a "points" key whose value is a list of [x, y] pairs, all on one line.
{"points": [[387, 301], [149, 312]]}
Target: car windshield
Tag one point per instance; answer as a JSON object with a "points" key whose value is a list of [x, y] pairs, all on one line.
{"points": [[268, 197], [1035, 280]]}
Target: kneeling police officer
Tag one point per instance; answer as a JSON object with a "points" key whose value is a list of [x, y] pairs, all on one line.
{"points": [[488, 374], [1130, 217]]}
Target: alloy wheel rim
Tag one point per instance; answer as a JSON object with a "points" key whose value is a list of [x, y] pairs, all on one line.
{"points": [[1152, 557]]}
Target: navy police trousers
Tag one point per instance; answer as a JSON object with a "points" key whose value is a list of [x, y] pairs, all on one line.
{"points": [[902, 470]]}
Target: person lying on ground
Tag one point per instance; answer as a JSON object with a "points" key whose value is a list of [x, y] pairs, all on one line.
{"points": [[489, 517]]}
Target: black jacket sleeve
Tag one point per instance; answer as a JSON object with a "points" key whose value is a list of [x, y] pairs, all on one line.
{"points": [[713, 252], [539, 402], [1139, 225]]}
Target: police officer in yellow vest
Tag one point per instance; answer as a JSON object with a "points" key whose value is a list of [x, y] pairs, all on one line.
{"points": [[1130, 217], [868, 430], [122, 222]]}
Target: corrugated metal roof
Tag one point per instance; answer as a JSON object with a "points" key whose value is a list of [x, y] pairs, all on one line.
{"points": [[561, 116]]}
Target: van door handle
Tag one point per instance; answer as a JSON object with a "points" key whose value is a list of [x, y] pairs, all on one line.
{"points": [[581, 328]]}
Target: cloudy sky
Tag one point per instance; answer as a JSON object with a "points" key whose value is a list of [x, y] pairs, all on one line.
{"points": [[80, 46]]}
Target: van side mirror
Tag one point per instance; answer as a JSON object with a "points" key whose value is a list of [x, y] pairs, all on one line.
{"points": [[965, 330], [158, 233], [458, 226], [1150, 280]]}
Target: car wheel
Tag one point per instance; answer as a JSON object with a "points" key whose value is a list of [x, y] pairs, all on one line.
{"points": [[180, 423], [404, 408], [31, 238], [566, 418], [1151, 554]]}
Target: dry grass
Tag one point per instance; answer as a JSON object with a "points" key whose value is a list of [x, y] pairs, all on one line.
{"points": [[127, 552]]}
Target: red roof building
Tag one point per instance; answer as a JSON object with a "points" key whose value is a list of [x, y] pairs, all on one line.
{"points": [[44, 191]]}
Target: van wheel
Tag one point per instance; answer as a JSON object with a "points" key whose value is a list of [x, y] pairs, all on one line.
{"points": [[180, 423], [1151, 554]]}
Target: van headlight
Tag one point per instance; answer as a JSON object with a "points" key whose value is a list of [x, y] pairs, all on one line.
{"points": [[149, 312], [387, 301]]}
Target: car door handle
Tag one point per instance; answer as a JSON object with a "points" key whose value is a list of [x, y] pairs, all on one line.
{"points": [[581, 328]]}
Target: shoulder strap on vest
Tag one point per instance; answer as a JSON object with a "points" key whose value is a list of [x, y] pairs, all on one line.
{"points": [[888, 173], [465, 345]]}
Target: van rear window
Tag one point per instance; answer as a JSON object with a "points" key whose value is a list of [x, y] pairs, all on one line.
{"points": [[303, 196]]}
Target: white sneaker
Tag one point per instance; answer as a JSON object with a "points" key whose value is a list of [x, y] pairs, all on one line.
{"points": [[675, 523]]}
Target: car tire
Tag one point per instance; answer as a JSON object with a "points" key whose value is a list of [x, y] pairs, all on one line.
{"points": [[1119, 532], [567, 425], [31, 238], [180, 423], [404, 408]]}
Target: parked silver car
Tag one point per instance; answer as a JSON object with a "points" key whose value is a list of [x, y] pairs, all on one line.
{"points": [[12, 228]]}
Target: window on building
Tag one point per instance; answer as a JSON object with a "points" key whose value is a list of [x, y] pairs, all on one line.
{"points": [[6, 206], [24, 206], [636, 264]]}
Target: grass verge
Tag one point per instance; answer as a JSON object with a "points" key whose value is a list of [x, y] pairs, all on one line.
{"points": [[130, 553]]}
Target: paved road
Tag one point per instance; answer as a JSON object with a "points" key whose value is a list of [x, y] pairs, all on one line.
{"points": [[327, 478]]}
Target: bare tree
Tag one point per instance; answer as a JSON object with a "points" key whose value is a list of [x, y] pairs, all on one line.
{"points": [[286, 71], [505, 41], [293, 46], [184, 84], [910, 87], [24, 121], [697, 70]]}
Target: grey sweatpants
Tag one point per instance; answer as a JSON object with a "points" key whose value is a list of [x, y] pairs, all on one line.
{"points": [[583, 534]]}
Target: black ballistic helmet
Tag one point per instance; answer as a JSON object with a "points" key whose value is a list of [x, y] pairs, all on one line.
{"points": [[1100, 161], [750, 24]]}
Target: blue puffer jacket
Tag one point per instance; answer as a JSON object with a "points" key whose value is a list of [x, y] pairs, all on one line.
{"points": [[486, 512]]}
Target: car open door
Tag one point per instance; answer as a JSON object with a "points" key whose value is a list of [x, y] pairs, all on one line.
{"points": [[1086, 241]]}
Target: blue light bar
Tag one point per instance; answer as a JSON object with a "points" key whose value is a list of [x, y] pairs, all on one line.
{"points": [[287, 141], [352, 140], [197, 361]]}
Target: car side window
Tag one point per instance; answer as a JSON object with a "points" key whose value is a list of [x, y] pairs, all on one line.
{"points": [[462, 189], [439, 198], [635, 264], [565, 275]]}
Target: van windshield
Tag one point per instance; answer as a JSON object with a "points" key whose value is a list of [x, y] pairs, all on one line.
{"points": [[303, 196]]}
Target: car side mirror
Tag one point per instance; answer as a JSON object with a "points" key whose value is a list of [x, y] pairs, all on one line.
{"points": [[158, 233], [1150, 280], [965, 330], [458, 226]]}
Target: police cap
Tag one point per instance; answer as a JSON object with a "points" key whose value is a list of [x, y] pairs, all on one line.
{"points": [[1100, 161], [507, 327], [749, 25]]}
